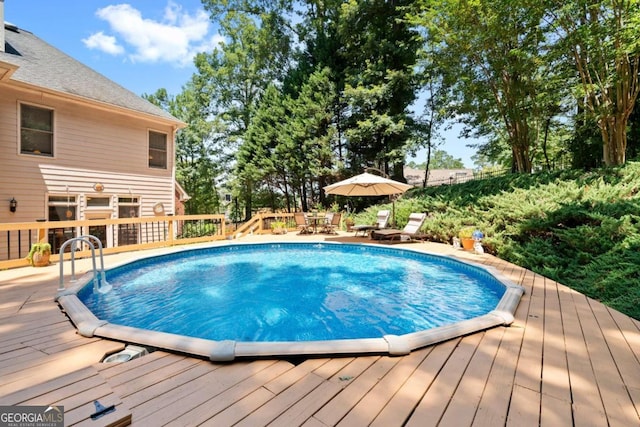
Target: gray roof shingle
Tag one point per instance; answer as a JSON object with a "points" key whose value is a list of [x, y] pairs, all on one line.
{"points": [[44, 66]]}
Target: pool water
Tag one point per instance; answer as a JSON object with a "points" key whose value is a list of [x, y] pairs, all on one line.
{"points": [[294, 292]]}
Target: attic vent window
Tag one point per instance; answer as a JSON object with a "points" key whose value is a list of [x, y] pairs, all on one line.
{"points": [[36, 130], [157, 150]]}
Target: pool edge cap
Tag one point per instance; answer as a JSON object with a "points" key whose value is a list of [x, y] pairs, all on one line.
{"points": [[223, 351], [87, 328], [398, 345], [506, 316]]}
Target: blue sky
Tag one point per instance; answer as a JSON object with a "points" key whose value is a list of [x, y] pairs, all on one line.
{"points": [[142, 45]]}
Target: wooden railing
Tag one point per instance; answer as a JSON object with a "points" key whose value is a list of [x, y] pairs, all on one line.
{"points": [[128, 234], [117, 235], [261, 223]]}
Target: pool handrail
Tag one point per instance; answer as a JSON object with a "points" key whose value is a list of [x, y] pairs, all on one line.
{"points": [[88, 239]]}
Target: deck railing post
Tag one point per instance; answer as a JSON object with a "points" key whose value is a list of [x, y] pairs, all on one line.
{"points": [[171, 231], [42, 232]]}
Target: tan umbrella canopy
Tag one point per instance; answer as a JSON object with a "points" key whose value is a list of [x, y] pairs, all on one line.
{"points": [[367, 184]]}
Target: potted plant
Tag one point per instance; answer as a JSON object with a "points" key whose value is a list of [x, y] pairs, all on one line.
{"points": [[349, 223], [39, 254], [278, 227], [466, 238]]}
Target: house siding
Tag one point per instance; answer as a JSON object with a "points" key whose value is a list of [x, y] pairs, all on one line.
{"points": [[91, 146]]}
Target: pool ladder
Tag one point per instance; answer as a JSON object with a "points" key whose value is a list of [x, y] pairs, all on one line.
{"points": [[100, 283]]}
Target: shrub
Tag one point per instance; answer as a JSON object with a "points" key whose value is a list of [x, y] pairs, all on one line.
{"points": [[579, 228]]}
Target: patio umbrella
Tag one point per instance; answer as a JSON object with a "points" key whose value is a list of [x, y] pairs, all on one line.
{"points": [[367, 184]]}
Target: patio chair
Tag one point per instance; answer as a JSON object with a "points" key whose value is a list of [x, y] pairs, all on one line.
{"points": [[381, 222], [408, 233], [301, 223], [331, 225]]}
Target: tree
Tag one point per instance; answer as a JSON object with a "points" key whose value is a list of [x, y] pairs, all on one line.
{"points": [[379, 49], [195, 150], [257, 160], [312, 131], [235, 75], [443, 160], [440, 159], [489, 53], [601, 38], [320, 48]]}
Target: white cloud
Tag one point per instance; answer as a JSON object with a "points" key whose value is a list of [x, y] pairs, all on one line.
{"points": [[104, 43], [176, 39]]}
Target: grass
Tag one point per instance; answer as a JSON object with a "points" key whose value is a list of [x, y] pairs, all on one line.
{"points": [[579, 228]]}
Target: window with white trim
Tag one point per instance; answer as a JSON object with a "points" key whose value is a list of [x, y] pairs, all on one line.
{"points": [[98, 201], [62, 208], [157, 150], [36, 130]]}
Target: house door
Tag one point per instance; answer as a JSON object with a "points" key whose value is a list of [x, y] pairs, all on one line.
{"points": [[103, 233]]}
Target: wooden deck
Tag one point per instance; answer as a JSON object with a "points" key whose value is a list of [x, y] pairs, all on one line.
{"points": [[566, 360]]}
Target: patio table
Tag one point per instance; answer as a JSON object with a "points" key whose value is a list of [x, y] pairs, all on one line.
{"points": [[314, 219]]}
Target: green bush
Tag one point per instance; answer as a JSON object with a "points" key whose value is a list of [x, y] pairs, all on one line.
{"points": [[579, 228]]}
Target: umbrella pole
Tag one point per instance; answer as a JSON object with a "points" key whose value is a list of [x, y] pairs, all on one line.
{"points": [[393, 211]]}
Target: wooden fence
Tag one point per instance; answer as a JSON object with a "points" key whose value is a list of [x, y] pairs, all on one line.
{"points": [[116, 235], [129, 234]]}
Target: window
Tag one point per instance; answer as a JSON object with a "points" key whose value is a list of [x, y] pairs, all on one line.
{"points": [[36, 130], [157, 150], [61, 208], [98, 202], [128, 207]]}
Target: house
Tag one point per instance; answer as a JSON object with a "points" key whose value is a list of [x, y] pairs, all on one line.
{"points": [[415, 177], [74, 145]]}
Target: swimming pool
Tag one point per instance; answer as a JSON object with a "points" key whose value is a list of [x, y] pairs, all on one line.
{"points": [[238, 300]]}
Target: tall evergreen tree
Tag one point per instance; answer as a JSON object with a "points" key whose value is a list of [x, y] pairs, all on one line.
{"points": [[235, 75], [379, 48]]}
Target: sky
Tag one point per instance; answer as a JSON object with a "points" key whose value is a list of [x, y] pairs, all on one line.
{"points": [[143, 45]]}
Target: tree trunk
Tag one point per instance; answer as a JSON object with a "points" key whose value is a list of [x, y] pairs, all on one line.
{"points": [[521, 158], [248, 201], [547, 124], [426, 167], [518, 130], [614, 138]]}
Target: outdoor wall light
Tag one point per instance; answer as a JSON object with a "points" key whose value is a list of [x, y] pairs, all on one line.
{"points": [[13, 204]]}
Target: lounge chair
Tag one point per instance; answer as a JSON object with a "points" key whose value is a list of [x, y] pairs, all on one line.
{"points": [[381, 222], [331, 225], [409, 232], [301, 223]]}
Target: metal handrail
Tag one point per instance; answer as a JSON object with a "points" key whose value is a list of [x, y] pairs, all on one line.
{"points": [[99, 285]]}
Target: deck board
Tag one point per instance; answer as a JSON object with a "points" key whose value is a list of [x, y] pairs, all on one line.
{"points": [[76, 392], [555, 378], [565, 360], [585, 396], [436, 400], [622, 356], [212, 392], [357, 386], [413, 391], [278, 403], [461, 409], [371, 405], [215, 403]]}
